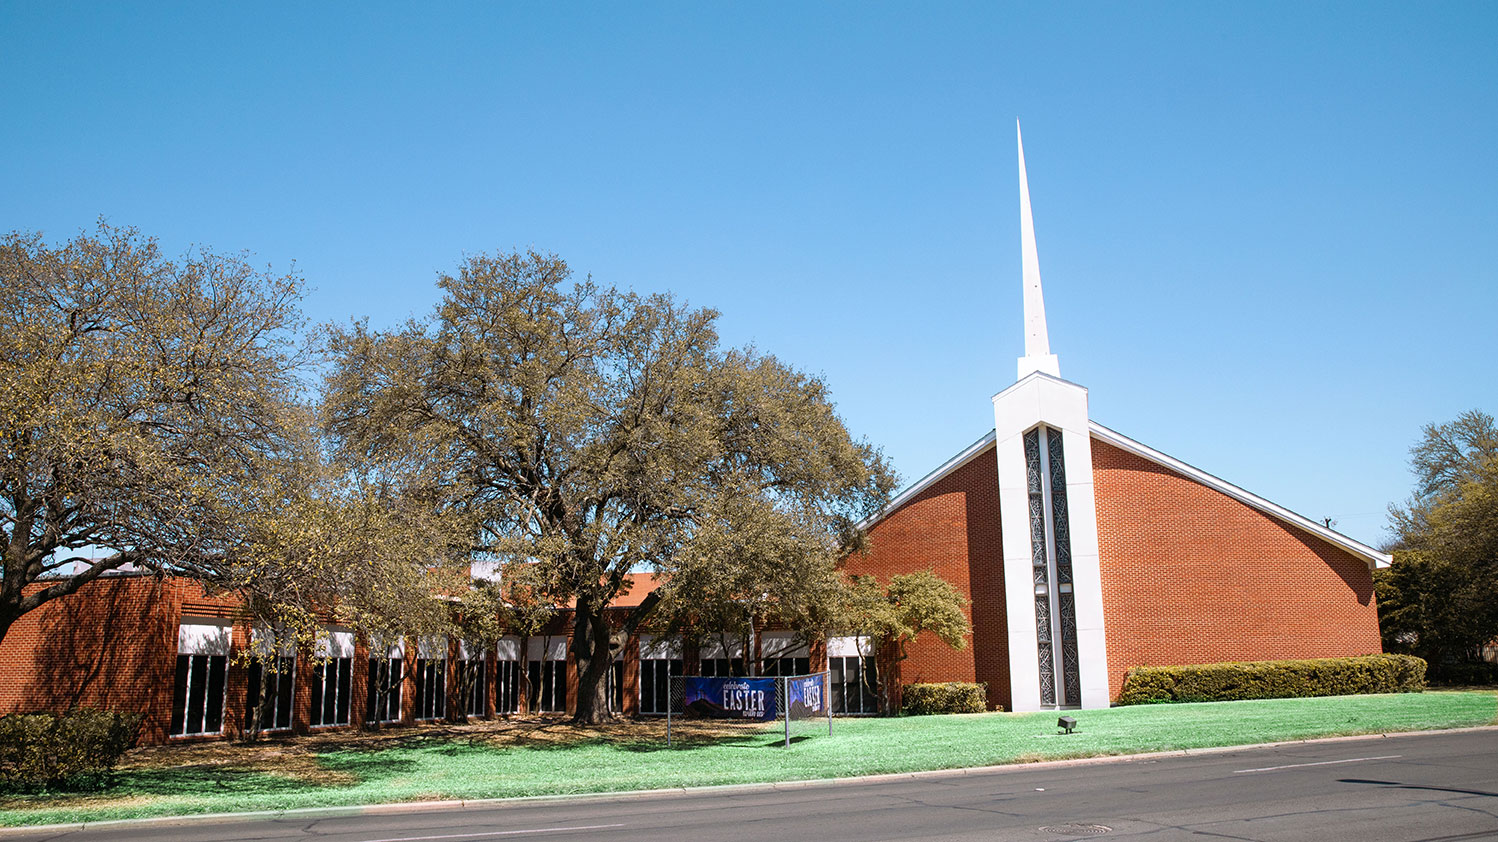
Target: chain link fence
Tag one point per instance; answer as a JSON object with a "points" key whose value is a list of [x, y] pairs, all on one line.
{"points": [[796, 703]]}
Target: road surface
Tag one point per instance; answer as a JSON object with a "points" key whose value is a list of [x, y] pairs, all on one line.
{"points": [[1429, 787]]}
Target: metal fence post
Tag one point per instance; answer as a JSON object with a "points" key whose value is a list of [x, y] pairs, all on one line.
{"points": [[827, 698], [785, 699]]}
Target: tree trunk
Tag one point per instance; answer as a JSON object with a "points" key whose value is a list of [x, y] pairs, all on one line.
{"points": [[590, 649], [8, 618]]}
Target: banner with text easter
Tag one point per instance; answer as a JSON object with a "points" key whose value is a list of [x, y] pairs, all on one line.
{"points": [[722, 697]]}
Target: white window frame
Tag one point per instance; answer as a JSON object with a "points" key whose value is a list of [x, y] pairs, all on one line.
{"points": [[206, 637]]}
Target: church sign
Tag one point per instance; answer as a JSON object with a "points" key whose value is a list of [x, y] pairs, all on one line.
{"points": [[804, 696], [721, 697]]}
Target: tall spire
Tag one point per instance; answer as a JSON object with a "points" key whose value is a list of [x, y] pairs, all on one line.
{"points": [[1038, 356]]}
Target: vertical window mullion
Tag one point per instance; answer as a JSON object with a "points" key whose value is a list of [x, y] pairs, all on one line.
{"points": [[197, 696]]}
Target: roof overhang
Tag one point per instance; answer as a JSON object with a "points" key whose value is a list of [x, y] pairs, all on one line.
{"points": [[1374, 558], [967, 455], [1371, 556]]}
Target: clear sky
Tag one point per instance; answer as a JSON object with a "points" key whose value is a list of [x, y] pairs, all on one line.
{"points": [[1268, 231]]}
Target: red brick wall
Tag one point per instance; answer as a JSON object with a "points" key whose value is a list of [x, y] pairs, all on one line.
{"points": [[111, 645], [951, 528], [1193, 576]]}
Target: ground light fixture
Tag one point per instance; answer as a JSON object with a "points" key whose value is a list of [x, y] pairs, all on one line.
{"points": [[1067, 724]]}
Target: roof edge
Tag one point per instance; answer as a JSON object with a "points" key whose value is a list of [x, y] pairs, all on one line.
{"points": [[967, 455], [1374, 558]]}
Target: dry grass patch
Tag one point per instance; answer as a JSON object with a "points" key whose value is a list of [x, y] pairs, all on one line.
{"points": [[297, 756]]}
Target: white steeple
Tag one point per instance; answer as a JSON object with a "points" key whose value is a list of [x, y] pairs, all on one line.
{"points": [[1038, 356]]}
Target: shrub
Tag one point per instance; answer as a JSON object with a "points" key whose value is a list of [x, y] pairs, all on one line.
{"points": [[77, 749], [1465, 674], [951, 697], [1274, 679]]}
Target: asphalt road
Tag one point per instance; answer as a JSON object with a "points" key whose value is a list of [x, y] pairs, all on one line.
{"points": [[1435, 788]]}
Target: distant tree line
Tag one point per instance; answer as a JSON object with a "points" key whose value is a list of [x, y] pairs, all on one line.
{"points": [[1439, 599]]}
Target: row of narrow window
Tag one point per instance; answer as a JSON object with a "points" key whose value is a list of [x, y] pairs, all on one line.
{"points": [[199, 690]]}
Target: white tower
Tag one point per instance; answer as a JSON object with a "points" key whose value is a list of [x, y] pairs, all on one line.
{"points": [[1058, 654], [1038, 356]]}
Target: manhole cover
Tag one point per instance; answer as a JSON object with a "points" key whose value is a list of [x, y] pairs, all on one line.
{"points": [[1077, 829]]}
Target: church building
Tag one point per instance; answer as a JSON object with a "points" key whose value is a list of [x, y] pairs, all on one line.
{"points": [[1082, 551], [1085, 552]]}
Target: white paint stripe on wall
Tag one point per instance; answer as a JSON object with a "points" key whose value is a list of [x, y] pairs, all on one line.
{"points": [[203, 636], [335, 642], [851, 646], [552, 648], [657, 647], [781, 645], [508, 649], [713, 648]]}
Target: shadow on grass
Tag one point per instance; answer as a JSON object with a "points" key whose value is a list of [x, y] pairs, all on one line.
{"points": [[179, 782], [563, 736], [217, 781]]}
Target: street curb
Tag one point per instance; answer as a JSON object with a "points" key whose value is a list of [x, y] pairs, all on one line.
{"points": [[670, 792]]}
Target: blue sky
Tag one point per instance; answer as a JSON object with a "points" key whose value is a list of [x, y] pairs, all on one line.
{"points": [[1268, 231]]}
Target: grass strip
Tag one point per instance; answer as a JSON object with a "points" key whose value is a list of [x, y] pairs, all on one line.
{"points": [[416, 768]]}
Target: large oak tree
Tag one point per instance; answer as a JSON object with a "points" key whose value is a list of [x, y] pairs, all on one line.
{"points": [[141, 400], [592, 432], [1437, 599]]}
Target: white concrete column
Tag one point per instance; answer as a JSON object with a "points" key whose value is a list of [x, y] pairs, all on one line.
{"points": [[1036, 399]]}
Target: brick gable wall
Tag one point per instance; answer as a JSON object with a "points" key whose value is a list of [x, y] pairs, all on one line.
{"points": [[1193, 576], [951, 528]]}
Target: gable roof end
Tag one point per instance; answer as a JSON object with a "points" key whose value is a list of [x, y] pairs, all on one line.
{"points": [[1374, 558], [925, 482]]}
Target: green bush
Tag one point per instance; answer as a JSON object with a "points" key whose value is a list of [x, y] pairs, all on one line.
{"points": [[1274, 679], [951, 697], [73, 750]]}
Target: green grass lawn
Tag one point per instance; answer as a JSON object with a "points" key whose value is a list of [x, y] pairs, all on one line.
{"points": [[454, 766]]}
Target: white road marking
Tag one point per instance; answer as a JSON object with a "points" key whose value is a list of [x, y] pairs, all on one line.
{"points": [[495, 833], [1322, 763]]}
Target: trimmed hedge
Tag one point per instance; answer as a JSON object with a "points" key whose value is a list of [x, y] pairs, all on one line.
{"points": [[73, 750], [1274, 679], [951, 697]]}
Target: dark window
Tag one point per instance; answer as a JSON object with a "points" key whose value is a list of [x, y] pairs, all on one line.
{"points": [[474, 679], [507, 686], [615, 680], [198, 695], [787, 666], [384, 677], [855, 683], [656, 677], [330, 691], [278, 684], [548, 686], [723, 666], [431, 688]]}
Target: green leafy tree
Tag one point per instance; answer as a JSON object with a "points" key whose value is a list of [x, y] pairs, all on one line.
{"points": [[913, 603], [144, 399], [746, 568], [591, 432], [478, 613], [1437, 599], [365, 545]]}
